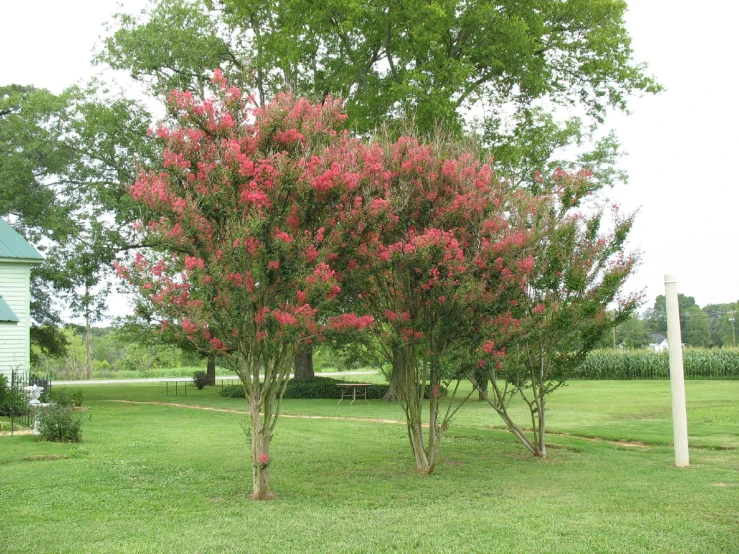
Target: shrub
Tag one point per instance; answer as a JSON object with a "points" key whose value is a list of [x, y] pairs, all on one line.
{"points": [[4, 389], [319, 387], [200, 379], [12, 404], [59, 424], [62, 398], [77, 398], [101, 365], [233, 391]]}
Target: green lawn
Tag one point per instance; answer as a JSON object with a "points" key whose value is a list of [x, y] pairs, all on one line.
{"points": [[153, 478]]}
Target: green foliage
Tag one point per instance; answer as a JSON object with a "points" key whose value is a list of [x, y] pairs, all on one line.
{"points": [[200, 379], [62, 397], [77, 398], [319, 387], [233, 391], [325, 387], [4, 389], [12, 404], [65, 161], [115, 353], [59, 423], [698, 363]]}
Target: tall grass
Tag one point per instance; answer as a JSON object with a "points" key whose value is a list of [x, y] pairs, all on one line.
{"points": [[698, 363]]}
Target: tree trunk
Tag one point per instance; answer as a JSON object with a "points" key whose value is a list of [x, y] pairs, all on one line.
{"points": [[260, 439], [482, 390], [542, 430], [397, 378], [88, 354], [415, 434], [303, 364], [211, 370]]}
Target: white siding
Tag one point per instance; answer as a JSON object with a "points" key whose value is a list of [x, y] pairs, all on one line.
{"points": [[15, 340]]}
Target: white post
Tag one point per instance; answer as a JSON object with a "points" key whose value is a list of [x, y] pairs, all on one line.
{"points": [[677, 377]]}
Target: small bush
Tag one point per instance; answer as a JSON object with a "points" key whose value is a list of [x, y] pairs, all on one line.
{"points": [[4, 389], [59, 424], [200, 379], [62, 398], [77, 398], [12, 404], [233, 391]]}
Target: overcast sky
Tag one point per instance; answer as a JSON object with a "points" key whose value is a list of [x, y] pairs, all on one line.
{"points": [[681, 144]]}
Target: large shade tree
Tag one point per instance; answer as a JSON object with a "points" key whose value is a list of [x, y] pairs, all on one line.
{"points": [[65, 163]]}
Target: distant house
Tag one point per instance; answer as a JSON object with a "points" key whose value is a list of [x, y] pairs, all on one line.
{"points": [[16, 259], [659, 342]]}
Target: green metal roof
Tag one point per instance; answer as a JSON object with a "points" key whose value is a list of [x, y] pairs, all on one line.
{"points": [[12, 245], [6, 314]]}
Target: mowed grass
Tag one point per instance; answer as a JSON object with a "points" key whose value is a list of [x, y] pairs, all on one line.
{"points": [[160, 478]]}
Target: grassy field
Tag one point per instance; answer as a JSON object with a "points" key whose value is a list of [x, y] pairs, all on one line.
{"points": [[161, 478]]}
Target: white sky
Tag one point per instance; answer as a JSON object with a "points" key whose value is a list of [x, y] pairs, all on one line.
{"points": [[681, 144]]}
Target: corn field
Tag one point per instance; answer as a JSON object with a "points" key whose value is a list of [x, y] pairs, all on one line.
{"points": [[699, 363]]}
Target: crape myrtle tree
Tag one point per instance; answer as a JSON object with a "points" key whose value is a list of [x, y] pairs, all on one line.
{"points": [[241, 269], [580, 269], [422, 243]]}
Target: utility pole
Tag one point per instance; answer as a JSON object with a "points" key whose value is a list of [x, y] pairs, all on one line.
{"points": [[677, 376], [733, 333]]}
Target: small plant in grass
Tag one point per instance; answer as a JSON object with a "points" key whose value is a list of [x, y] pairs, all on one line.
{"points": [[77, 398], [62, 398], [59, 424], [200, 379]]}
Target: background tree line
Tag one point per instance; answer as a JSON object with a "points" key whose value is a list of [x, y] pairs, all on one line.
{"points": [[117, 351], [712, 326]]}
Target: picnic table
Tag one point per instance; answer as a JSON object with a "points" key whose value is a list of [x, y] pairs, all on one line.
{"points": [[349, 390]]}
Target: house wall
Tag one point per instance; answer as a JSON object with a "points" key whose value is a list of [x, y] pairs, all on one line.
{"points": [[15, 340]]}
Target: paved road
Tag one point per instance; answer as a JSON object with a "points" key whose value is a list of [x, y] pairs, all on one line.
{"points": [[186, 379]]}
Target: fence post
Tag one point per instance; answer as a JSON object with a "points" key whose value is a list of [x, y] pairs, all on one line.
{"points": [[12, 402]]}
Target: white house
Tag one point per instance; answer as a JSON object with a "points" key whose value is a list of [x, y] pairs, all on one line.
{"points": [[16, 259], [659, 342]]}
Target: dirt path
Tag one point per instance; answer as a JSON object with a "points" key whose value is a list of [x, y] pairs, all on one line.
{"points": [[289, 416], [368, 420]]}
